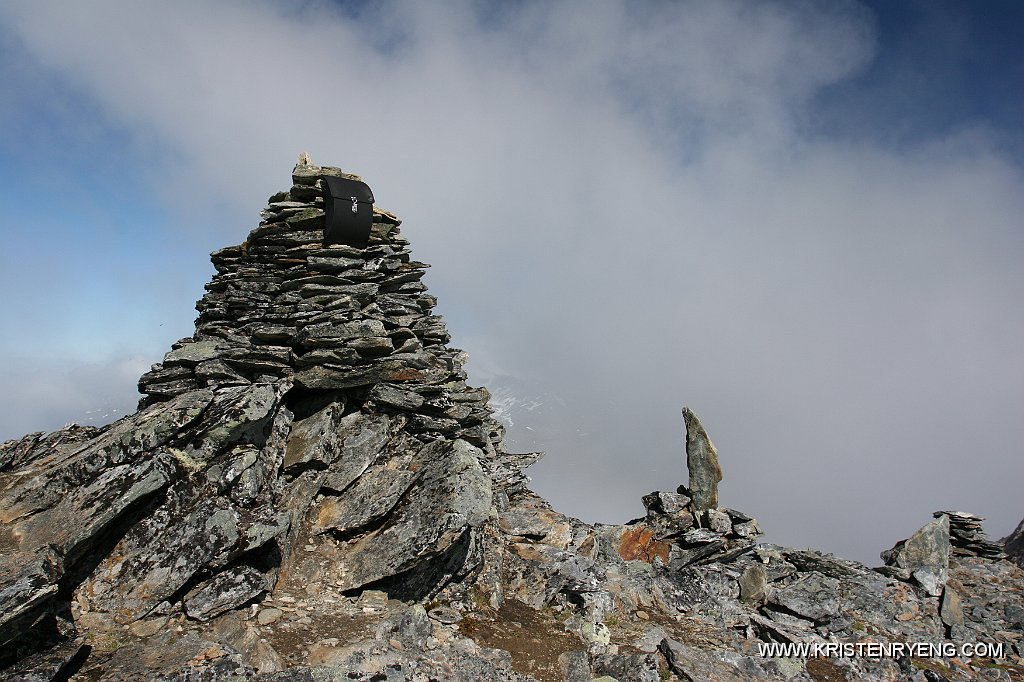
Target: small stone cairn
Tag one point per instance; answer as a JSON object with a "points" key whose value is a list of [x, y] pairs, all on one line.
{"points": [[689, 520]]}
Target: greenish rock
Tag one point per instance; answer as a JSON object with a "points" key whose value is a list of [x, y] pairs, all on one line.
{"points": [[452, 497], [701, 463], [814, 597], [925, 554], [752, 583], [237, 415], [193, 353], [368, 499], [392, 396], [307, 219]]}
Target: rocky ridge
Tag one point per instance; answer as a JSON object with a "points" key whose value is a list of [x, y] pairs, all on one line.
{"points": [[311, 490]]}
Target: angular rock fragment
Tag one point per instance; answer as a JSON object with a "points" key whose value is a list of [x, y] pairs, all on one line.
{"points": [[814, 597], [453, 496], [162, 553], [368, 499], [701, 463], [925, 555], [225, 591], [27, 584]]}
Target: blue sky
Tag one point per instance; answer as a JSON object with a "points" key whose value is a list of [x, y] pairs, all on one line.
{"points": [[801, 219]]}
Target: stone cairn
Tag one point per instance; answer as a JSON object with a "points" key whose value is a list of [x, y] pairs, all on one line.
{"points": [[967, 537], [283, 306], [317, 405], [688, 525]]}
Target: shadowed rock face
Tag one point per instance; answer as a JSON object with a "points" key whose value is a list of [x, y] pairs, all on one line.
{"points": [[311, 491], [1014, 545]]}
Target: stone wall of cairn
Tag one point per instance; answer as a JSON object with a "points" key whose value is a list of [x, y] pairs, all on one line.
{"points": [[358, 322]]}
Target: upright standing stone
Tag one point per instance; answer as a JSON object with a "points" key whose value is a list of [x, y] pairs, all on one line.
{"points": [[701, 463]]}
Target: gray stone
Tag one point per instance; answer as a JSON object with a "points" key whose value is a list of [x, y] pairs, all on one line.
{"points": [[47, 665], [372, 346], [159, 555], [193, 353], [46, 482], [225, 591], [640, 667], [86, 512], [814, 597], [931, 579], [411, 628], [718, 521], [952, 609], [752, 582], [218, 372], [269, 615], [665, 503], [369, 498], [695, 665], [701, 463], [575, 666], [315, 438], [391, 396], [335, 264], [925, 554], [335, 334], [453, 496], [149, 626], [445, 615], [238, 414], [747, 529], [306, 219], [525, 522], [27, 583]]}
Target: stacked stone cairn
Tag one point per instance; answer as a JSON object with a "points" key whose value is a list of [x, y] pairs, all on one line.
{"points": [[690, 520], [317, 405], [967, 537], [356, 323]]}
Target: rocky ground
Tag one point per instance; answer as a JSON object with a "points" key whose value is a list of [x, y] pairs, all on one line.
{"points": [[311, 491]]}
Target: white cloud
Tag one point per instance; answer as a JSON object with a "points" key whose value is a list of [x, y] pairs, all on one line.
{"points": [[623, 209]]}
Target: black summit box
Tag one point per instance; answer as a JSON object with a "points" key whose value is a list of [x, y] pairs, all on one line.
{"points": [[348, 210]]}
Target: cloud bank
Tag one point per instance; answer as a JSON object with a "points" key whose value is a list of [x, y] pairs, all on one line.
{"points": [[627, 211]]}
